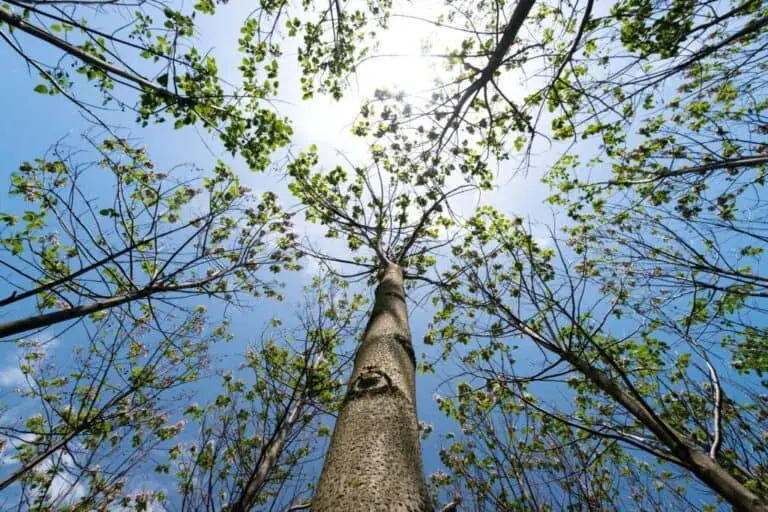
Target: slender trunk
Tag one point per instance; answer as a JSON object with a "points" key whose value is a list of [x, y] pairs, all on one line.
{"points": [[32, 464], [706, 469], [16, 21], [48, 319], [374, 460], [700, 464], [268, 461]]}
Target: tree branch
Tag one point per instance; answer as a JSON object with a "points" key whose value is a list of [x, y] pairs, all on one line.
{"points": [[519, 16]]}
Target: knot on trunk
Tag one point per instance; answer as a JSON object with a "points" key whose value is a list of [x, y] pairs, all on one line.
{"points": [[371, 381], [397, 295]]}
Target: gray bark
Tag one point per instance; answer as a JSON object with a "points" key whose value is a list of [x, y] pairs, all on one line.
{"points": [[374, 459], [16, 21], [47, 319]]}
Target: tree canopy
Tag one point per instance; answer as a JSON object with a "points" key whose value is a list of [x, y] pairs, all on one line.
{"points": [[575, 203]]}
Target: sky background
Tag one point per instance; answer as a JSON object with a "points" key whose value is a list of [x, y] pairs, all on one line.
{"points": [[30, 123]]}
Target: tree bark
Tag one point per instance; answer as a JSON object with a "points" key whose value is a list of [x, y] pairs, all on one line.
{"points": [[47, 319], [374, 459], [16, 21]]}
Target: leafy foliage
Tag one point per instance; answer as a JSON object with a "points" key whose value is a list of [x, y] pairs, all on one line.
{"points": [[79, 255], [617, 361]]}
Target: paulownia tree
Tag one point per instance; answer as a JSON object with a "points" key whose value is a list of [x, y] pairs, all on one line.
{"points": [[145, 249], [124, 266], [642, 372], [144, 57], [142, 253], [97, 428], [530, 75], [76, 432], [392, 216], [511, 455], [658, 112], [148, 239]]}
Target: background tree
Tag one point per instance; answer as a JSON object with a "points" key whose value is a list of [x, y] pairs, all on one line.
{"points": [[510, 455], [104, 420], [144, 57], [270, 417], [153, 237], [613, 349], [88, 426]]}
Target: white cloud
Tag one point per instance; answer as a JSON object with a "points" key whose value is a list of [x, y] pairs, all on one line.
{"points": [[44, 342], [12, 376], [10, 445], [310, 267], [544, 241], [64, 488]]}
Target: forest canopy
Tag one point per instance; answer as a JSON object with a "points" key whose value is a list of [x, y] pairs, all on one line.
{"points": [[444, 255]]}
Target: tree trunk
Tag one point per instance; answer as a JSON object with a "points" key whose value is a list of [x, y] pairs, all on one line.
{"points": [[706, 469], [16, 21], [269, 459], [374, 459], [690, 457], [48, 319]]}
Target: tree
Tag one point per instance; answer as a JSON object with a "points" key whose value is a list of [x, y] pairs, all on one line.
{"points": [[657, 230], [183, 83], [90, 424], [143, 58], [376, 434], [627, 385], [155, 238], [509, 455], [208, 252], [127, 270], [111, 409], [643, 311]]}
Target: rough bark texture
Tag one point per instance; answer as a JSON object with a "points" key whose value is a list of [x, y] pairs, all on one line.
{"points": [[374, 460]]}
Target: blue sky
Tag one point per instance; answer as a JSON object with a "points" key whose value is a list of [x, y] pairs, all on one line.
{"points": [[30, 123]]}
